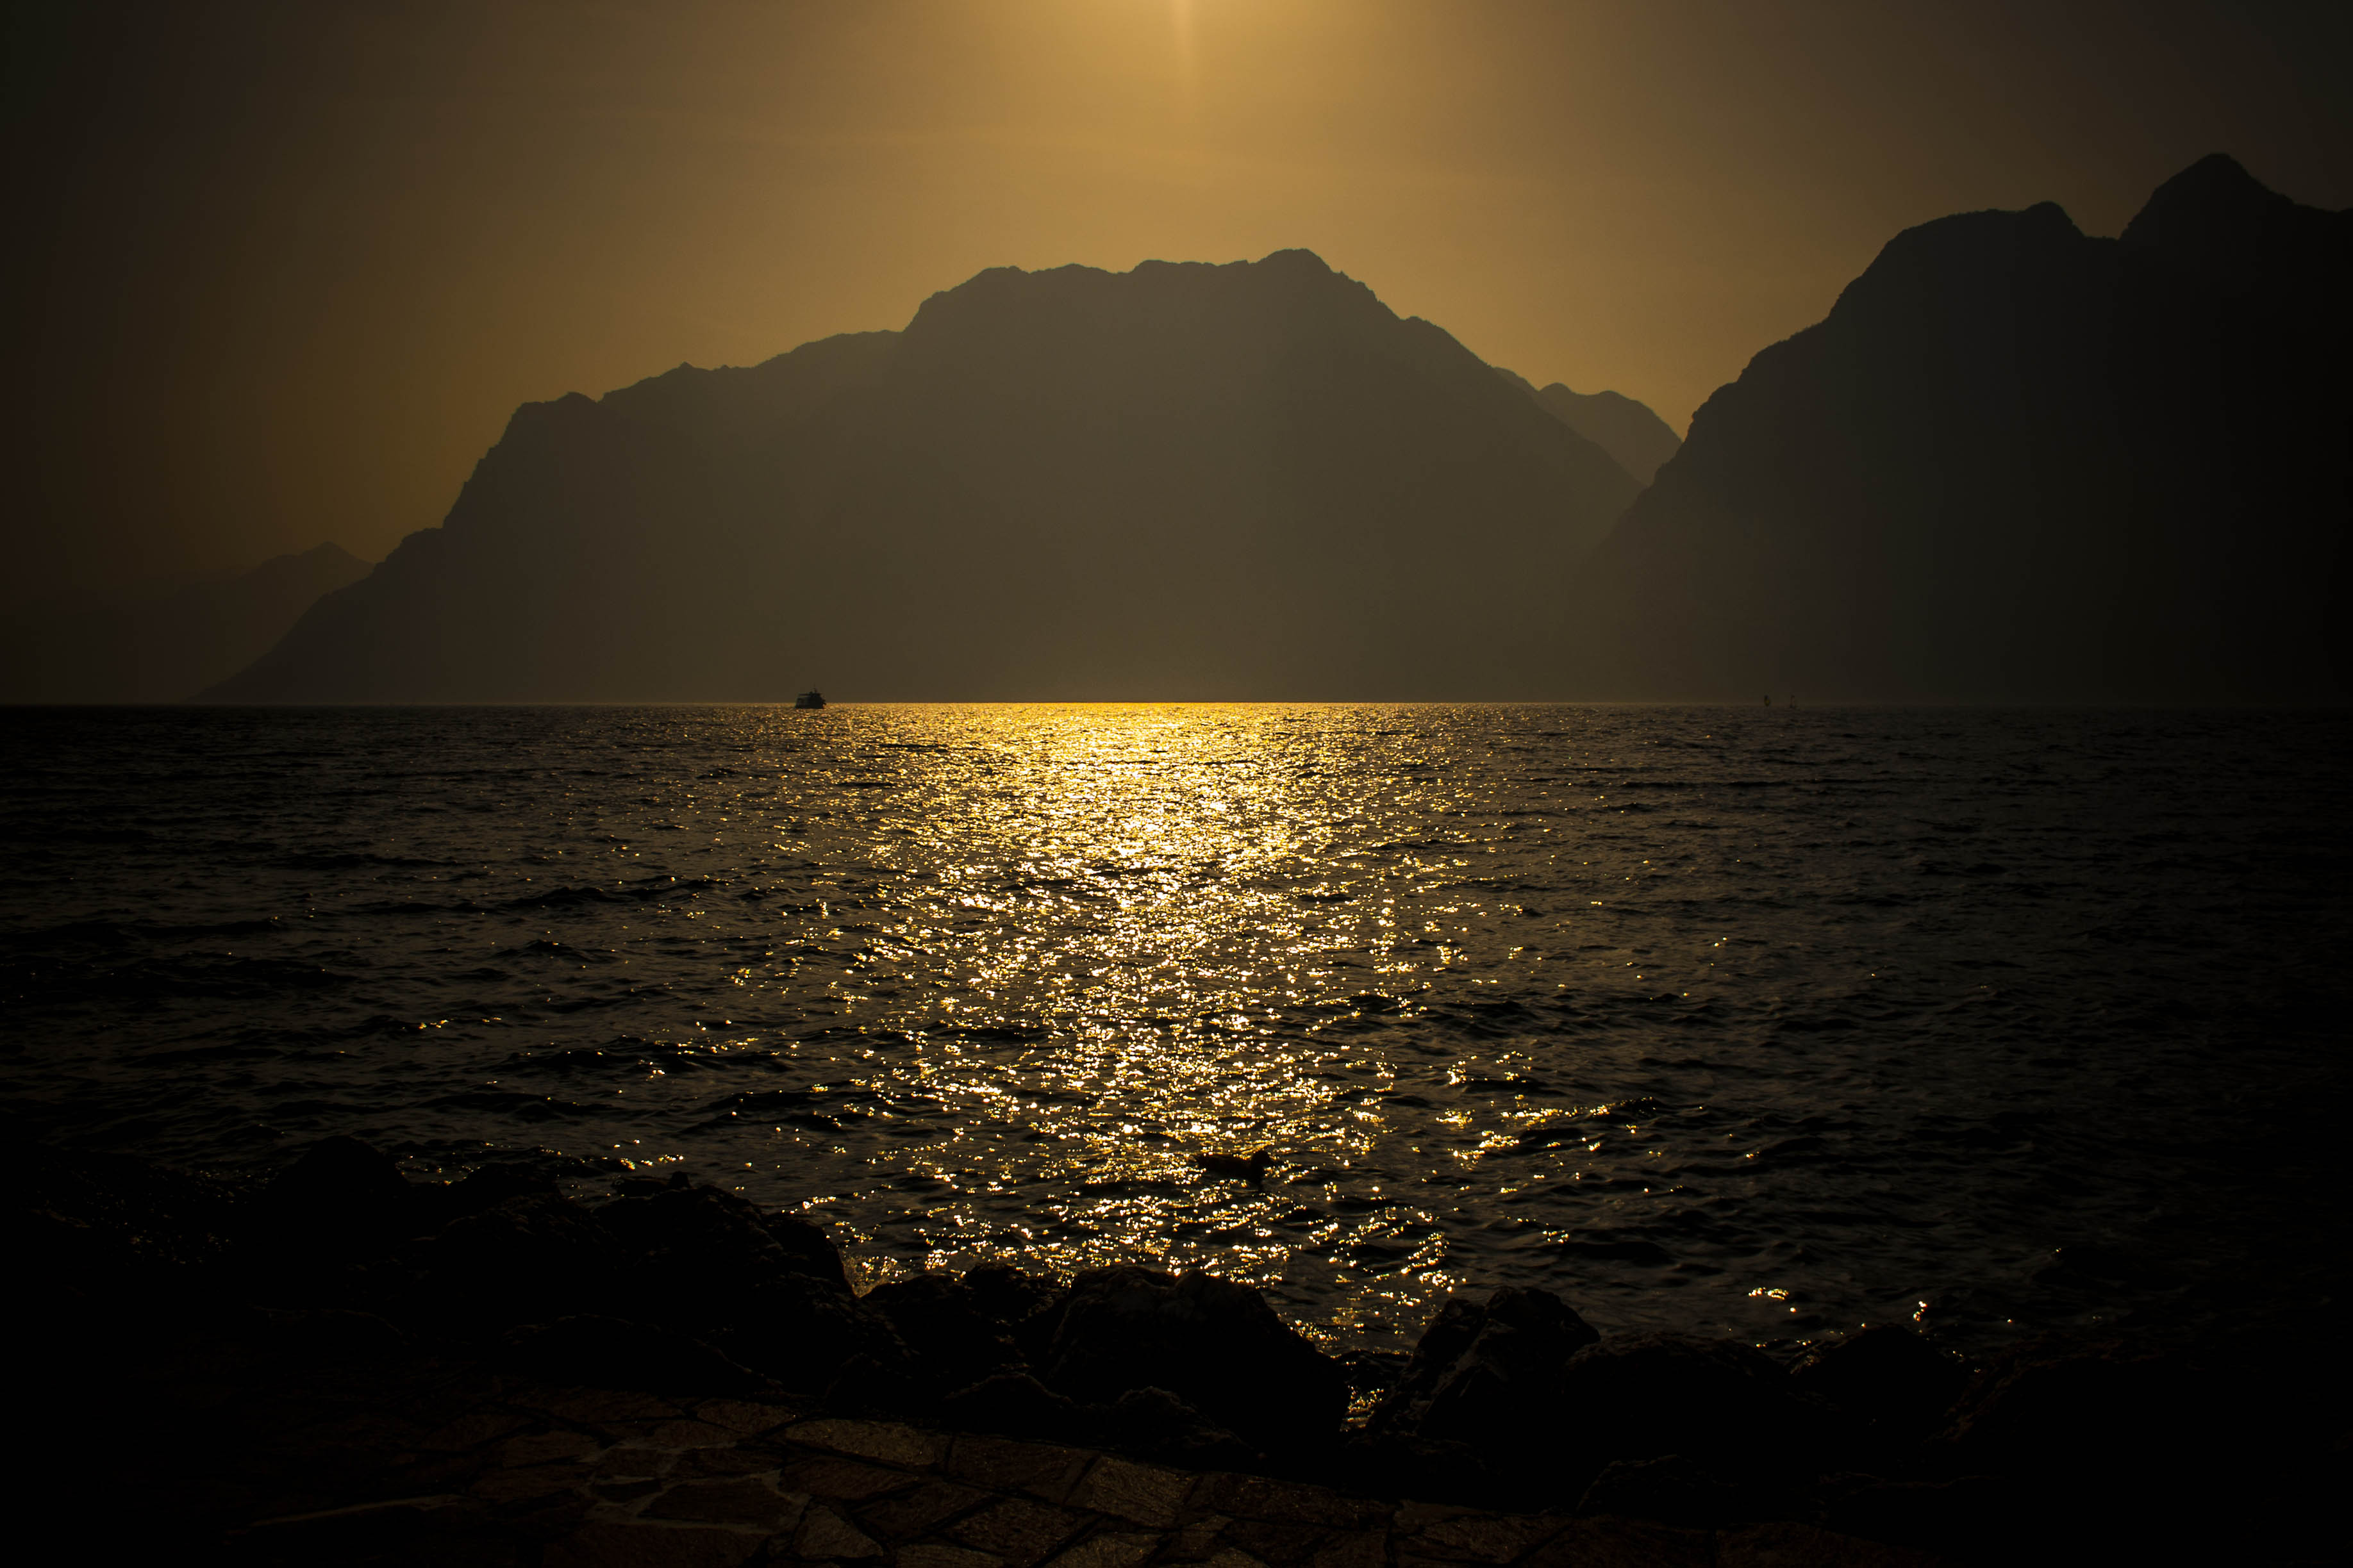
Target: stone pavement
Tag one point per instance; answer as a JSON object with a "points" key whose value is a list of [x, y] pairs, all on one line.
{"points": [[582, 1478]]}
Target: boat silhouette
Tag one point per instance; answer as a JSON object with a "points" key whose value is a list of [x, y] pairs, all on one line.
{"points": [[810, 699]]}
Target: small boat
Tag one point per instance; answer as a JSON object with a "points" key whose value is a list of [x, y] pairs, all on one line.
{"points": [[810, 699]]}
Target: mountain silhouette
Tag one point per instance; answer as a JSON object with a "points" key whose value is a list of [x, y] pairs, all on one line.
{"points": [[1182, 481], [165, 648], [2016, 463], [1627, 430]]}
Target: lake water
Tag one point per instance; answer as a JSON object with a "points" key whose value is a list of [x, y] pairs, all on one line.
{"points": [[1756, 1021]]}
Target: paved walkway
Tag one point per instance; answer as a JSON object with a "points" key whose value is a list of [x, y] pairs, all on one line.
{"points": [[578, 1479]]}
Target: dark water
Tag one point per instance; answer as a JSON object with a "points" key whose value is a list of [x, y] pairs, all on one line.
{"points": [[1767, 1022]]}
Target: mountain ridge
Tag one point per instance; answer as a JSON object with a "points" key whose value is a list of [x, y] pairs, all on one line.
{"points": [[2012, 463], [1627, 430], [1247, 478]]}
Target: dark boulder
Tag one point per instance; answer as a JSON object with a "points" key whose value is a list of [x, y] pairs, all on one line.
{"points": [[342, 1200], [1025, 1306], [698, 1239], [1487, 1376], [595, 1352], [1489, 1373], [485, 1188], [1888, 1377], [766, 1289], [1718, 1402], [955, 1343], [2133, 1448], [525, 1260], [1441, 1345], [1213, 1343], [1374, 1371], [1154, 1424], [805, 1334], [807, 1248], [2070, 1404], [703, 1261]]}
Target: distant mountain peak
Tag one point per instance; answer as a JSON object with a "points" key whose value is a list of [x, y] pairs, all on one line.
{"points": [[2018, 464], [2219, 220], [1637, 440], [1241, 479], [2213, 197], [1971, 252]]}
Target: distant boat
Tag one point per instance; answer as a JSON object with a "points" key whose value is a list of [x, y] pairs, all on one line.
{"points": [[810, 699]]}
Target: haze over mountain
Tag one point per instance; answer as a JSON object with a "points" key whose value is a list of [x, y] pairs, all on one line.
{"points": [[165, 647], [2016, 463], [1249, 481], [2013, 464], [1626, 429]]}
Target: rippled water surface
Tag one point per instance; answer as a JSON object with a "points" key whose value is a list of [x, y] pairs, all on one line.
{"points": [[1765, 1021]]}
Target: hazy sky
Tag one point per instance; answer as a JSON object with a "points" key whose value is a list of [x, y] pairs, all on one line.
{"points": [[289, 266]]}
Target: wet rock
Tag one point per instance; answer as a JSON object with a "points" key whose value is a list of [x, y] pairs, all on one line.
{"points": [[2072, 1405], [1483, 1361], [804, 1333], [707, 1248], [807, 1248], [1449, 1333], [1719, 1402], [1374, 1371], [1886, 1376], [613, 1353], [525, 1260], [1025, 1306], [1214, 1344], [767, 1290], [485, 1188], [342, 1199], [956, 1343], [1488, 1376]]}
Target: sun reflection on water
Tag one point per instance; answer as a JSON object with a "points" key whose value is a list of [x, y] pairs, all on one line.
{"points": [[1649, 1007], [1121, 900]]}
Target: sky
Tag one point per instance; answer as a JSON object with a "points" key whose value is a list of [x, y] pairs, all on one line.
{"points": [[285, 270]]}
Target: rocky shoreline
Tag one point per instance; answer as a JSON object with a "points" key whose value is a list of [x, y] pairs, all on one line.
{"points": [[347, 1364]]}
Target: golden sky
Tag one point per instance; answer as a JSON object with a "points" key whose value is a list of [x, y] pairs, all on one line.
{"points": [[294, 265]]}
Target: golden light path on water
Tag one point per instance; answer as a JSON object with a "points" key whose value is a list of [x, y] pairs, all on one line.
{"points": [[1161, 891], [1738, 1021]]}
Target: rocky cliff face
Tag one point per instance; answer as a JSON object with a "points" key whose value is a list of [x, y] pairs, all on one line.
{"points": [[1186, 480], [2016, 463]]}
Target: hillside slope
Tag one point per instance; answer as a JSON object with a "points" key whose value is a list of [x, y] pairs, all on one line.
{"points": [[2016, 463], [1182, 481]]}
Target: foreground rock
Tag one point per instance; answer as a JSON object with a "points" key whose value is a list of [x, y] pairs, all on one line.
{"points": [[491, 1372], [1213, 1345]]}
